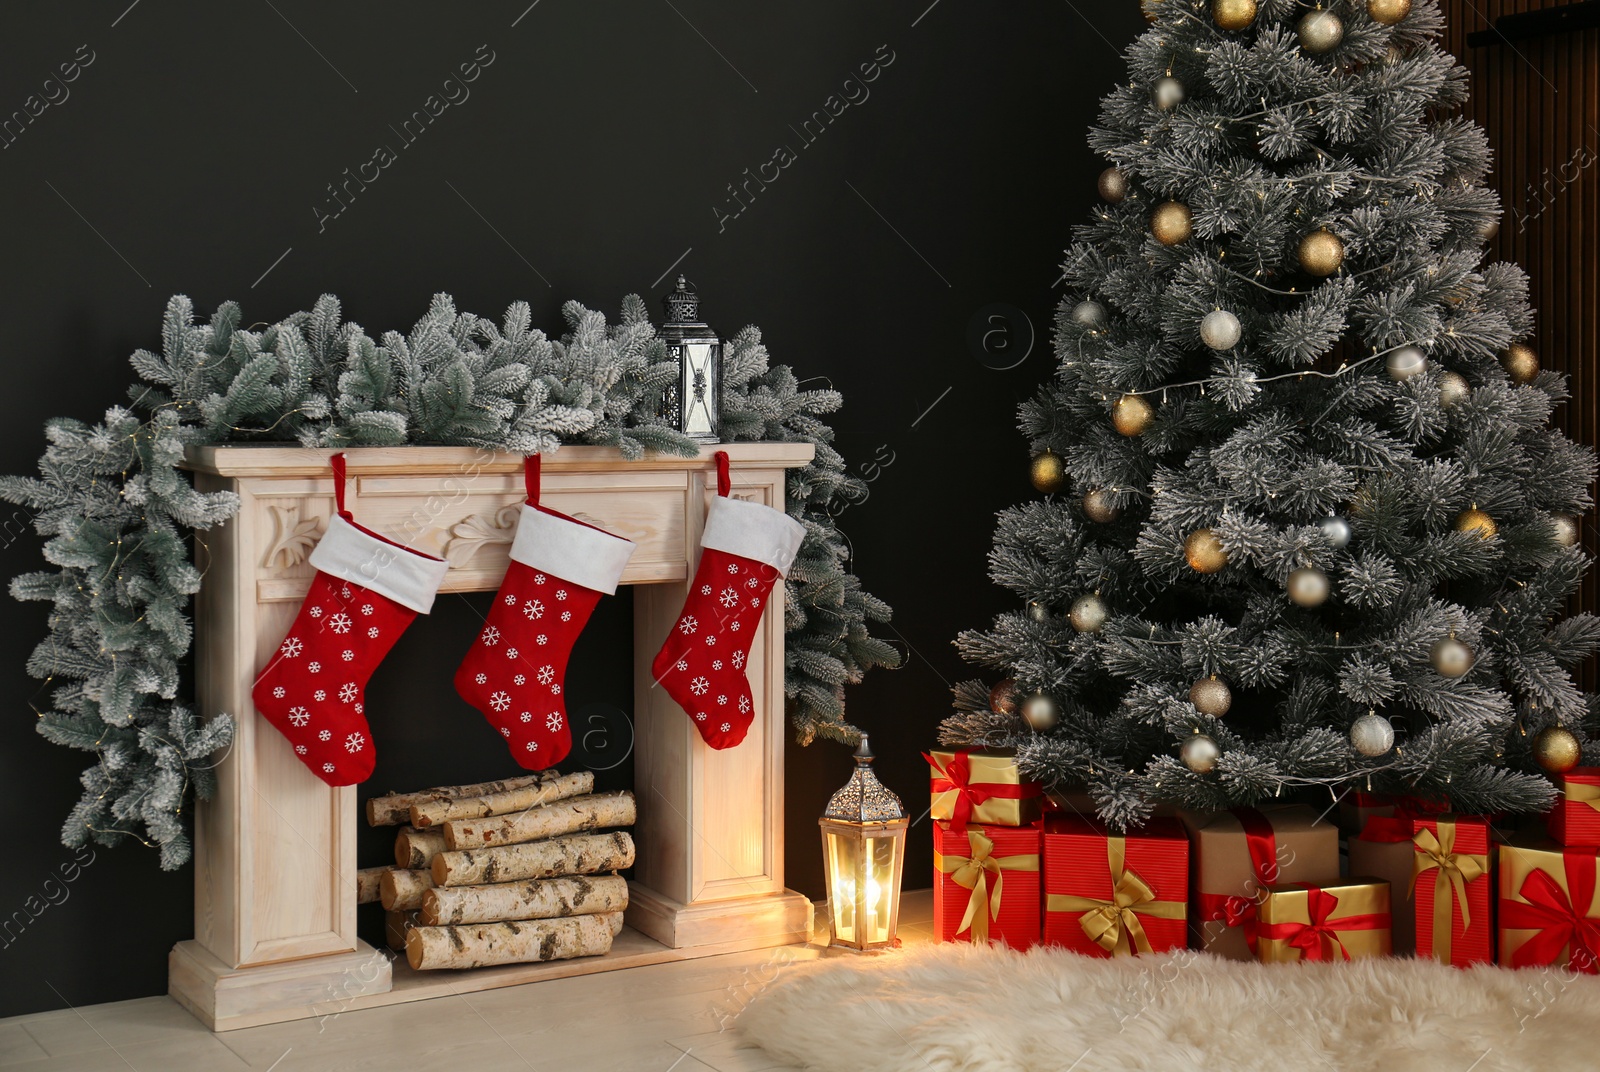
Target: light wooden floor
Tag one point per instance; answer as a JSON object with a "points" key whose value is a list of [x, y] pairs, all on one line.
{"points": [[663, 1018]]}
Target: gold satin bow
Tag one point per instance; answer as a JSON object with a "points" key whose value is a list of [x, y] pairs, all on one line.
{"points": [[974, 873], [1114, 925], [1455, 871]]}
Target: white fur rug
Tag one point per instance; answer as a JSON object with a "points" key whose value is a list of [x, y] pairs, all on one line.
{"points": [[944, 1008]]}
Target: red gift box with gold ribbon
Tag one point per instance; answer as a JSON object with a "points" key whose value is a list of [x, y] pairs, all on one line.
{"points": [[986, 884], [1106, 895], [1451, 888], [1575, 820], [1549, 911], [981, 787]]}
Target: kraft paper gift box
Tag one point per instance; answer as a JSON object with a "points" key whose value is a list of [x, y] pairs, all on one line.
{"points": [[971, 786], [1452, 892], [1115, 895], [986, 884], [1238, 854], [1549, 914], [1384, 851], [1575, 820], [1344, 921]]}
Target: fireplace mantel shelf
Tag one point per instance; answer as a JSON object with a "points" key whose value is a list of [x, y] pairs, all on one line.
{"points": [[275, 908]]}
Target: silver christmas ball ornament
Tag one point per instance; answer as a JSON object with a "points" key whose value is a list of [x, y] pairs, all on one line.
{"points": [[1089, 314], [1372, 735], [1336, 530], [1088, 613], [1220, 330], [1566, 528], [1199, 753], [1406, 362], [1040, 712], [1168, 93], [1451, 658], [1320, 31], [1308, 586]]}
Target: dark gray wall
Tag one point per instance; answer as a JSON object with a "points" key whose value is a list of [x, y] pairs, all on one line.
{"points": [[192, 152]]}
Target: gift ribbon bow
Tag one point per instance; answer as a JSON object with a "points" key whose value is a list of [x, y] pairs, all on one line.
{"points": [[1318, 938], [1553, 912], [1240, 911], [1114, 925], [956, 776], [984, 874], [1582, 793], [1456, 869]]}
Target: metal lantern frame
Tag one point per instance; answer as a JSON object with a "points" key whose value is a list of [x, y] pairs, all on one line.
{"points": [[693, 403], [864, 854]]}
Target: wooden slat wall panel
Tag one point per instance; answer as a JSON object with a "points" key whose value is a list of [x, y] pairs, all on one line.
{"points": [[1539, 100]]}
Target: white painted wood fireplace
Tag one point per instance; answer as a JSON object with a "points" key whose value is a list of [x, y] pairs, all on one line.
{"points": [[275, 862]]}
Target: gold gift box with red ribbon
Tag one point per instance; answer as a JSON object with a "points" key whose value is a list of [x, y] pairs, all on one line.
{"points": [[1575, 820], [1549, 911], [982, 787], [986, 884], [1108, 896], [1452, 889], [1341, 922]]}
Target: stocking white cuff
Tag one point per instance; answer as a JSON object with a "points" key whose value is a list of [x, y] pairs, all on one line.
{"points": [[753, 530], [571, 550], [410, 578]]}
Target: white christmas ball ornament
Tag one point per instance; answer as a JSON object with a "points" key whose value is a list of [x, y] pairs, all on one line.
{"points": [[1220, 330], [1089, 314], [1199, 753], [1372, 735], [1308, 586], [1406, 362], [1321, 31], [1168, 93], [1336, 530]]}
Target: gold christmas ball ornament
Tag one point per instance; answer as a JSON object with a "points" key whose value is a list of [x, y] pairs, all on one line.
{"points": [[1211, 696], [1168, 93], [1100, 506], [1199, 753], [1233, 14], [1132, 415], [1388, 12], [1567, 530], [1372, 735], [1089, 314], [1336, 530], [1405, 363], [1308, 586], [1321, 252], [1113, 185], [1476, 521], [1038, 612], [1003, 697], [1520, 363], [1557, 749], [1204, 551], [1088, 613], [1220, 330], [1048, 472], [1040, 712], [1451, 658], [1453, 389], [1171, 223], [1320, 31]]}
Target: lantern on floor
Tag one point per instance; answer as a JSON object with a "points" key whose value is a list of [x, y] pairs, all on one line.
{"points": [[864, 852], [692, 404]]}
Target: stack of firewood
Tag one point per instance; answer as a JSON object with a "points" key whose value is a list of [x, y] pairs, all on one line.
{"points": [[503, 872]]}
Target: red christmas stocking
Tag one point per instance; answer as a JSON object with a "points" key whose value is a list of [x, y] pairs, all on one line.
{"points": [[515, 672], [746, 549], [366, 592]]}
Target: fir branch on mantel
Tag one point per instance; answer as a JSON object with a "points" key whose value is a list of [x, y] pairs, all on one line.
{"points": [[116, 510]]}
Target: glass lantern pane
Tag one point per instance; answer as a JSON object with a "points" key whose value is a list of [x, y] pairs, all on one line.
{"points": [[844, 865], [879, 861]]}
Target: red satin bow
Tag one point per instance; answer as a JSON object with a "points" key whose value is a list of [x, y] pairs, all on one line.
{"points": [[958, 776], [1316, 940], [1556, 917]]}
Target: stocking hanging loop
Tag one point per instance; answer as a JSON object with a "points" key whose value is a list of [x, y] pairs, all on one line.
{"points": [[337, 462], [724, 483], [530, 477]]}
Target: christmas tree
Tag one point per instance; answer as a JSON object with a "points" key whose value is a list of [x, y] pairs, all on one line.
{"points": [[1306, 522]]}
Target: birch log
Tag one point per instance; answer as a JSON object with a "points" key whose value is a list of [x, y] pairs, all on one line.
{"points": [[579, 854], [395, 808], [402, 890], [368, 880], [396, 926], [550, 898], [597, 812], [553, 787], [479, 945], [415, 848]]}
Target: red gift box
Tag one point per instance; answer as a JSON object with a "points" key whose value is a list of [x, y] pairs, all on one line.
{"points": [[1451, 887], [1549, 914], [1575, 820], [986, 884], [1115, 896]]}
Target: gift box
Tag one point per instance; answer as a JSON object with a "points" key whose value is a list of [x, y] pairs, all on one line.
{"points": [[1575, 820], [1384, 851], [1107, 895], [1338, 922], [1549, 914], [1238, 854], [1451, 889], [986, 884], [982, 787], [1357, 807]]}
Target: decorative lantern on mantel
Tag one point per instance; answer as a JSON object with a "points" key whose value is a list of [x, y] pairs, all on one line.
{"points": [[692, 405], [864, 853]]}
